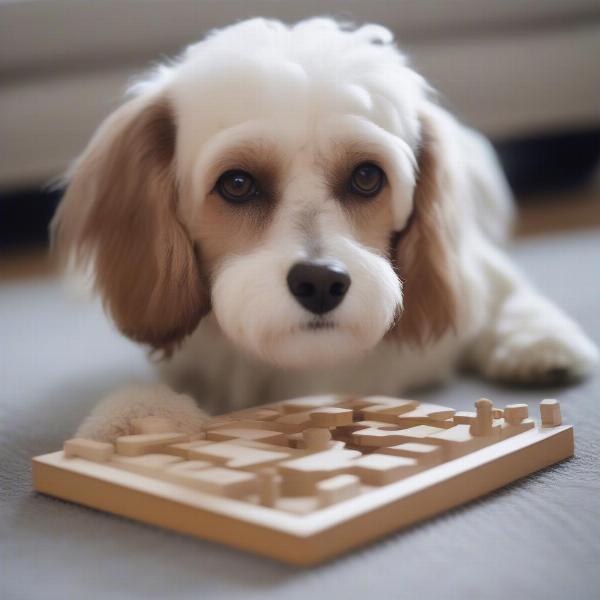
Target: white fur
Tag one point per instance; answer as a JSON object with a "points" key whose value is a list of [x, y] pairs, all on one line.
{"points": [[303, 91]]}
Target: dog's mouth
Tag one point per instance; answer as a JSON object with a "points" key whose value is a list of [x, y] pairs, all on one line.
{"points": [[318, 325]]}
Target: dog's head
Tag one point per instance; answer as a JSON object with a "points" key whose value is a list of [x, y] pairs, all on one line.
{"points": [[288, 179]]}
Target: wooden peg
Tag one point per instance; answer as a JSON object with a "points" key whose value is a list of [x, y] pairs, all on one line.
{"points": [[550, 413], [316, 438], [269, 486], [482, 426]]}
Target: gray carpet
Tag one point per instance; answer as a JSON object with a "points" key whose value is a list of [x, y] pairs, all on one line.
{"points": [[539, 538]]}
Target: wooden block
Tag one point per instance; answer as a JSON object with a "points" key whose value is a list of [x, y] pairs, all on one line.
{"points": [[300, 475], [423, 414], [387, 406], [184, 448], [234, 456], [180, 473], [153, 425], [515, 413], [147, 464], [213, 480], [550, 413], [316, 438], [259, 435], [464, 417], [260, 414], [483, 423], [293, 422], [432, 412], [424, 454], [291, 452], [269, 486], [357, 425], [337, 489], [497, 413], [381, 469], [134, 445], [88, 449], [331, 416], [390, 402]]}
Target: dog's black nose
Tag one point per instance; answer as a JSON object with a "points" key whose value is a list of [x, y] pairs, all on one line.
{"points": [[319, 286]]}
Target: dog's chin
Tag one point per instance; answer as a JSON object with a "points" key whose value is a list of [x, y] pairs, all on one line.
{"points": [[315, 345]]}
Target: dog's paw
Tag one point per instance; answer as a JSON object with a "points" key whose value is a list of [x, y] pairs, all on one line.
{"points": [[540, 345], [114, 415]]}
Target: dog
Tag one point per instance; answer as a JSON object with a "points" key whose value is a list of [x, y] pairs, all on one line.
{"points": [[287, 210]]}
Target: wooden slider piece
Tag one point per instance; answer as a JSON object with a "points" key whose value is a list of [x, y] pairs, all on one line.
{"points": [[382, 469], [88, 449], [331, 416], [387, 407], [550, 413], [337, 489], [293, 422], [390, 436], [201, 476], [184, 448], [259, 435], [134, 445], [147, 464], [515, 413], [464, 417], [259, 414], [153, 425], [300, 475], [236, 457]]}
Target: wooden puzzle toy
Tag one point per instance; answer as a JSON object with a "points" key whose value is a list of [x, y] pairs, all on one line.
{"points": [[309, 478]]}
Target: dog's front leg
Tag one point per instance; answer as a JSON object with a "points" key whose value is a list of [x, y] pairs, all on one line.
{"points": [[113, 416], [526, 338]]}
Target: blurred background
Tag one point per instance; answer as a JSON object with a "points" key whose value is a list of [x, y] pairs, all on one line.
{"points": [[525, 72]]}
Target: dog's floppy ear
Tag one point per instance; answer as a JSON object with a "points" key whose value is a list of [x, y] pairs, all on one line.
{"points": [[119, 214], [422, 252]]}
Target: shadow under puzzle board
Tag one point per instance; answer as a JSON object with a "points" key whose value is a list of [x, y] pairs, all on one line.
{"points": [[306, 479]]}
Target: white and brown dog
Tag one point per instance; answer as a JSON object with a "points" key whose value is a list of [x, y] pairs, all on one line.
{"points": [[286, 210]]}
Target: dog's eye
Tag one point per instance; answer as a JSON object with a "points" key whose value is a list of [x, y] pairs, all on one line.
{"points": [[236, 186], [367, 180]]}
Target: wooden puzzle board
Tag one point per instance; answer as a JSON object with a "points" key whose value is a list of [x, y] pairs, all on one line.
{"points": [[306, 479]]}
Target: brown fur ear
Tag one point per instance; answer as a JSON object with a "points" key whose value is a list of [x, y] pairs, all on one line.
{"points": [[119, 213], [421, 253]]}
